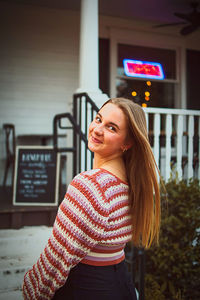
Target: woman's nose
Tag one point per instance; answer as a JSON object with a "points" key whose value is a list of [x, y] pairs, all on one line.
{"points": [[98, 129]]}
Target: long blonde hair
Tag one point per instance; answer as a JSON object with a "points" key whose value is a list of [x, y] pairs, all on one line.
{"points": [[141, 169]]}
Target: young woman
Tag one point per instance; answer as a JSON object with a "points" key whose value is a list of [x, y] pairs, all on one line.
{"points": [[104, 208]]}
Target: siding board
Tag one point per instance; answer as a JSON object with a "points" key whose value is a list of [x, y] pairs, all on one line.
{"points": [[38, 67]]}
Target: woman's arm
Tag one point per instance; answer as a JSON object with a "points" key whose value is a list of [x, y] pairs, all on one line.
{"points": [[79, 226]]}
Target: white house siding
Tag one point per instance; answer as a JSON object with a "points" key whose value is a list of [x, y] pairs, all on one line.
{"points": [[38, 67]]}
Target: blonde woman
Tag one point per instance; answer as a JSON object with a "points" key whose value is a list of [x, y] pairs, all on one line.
{"points": [[104, 208]]}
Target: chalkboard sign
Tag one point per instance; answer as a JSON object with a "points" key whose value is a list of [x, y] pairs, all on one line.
{"points": [[36, 177]]}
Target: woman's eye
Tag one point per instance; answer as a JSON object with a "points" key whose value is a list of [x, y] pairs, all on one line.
{"points": [[98, 119], [112, 128]]}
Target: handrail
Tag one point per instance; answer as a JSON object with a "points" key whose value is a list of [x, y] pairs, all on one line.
{"points": [[88, 99], [79, 135], [55, 131], [83, 111], [172, 111], [77, 131]]}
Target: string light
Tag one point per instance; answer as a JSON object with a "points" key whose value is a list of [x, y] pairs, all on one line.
{"points": [[147, 94], [144, 105], [134, 93], [148, 83], [147, 98]]}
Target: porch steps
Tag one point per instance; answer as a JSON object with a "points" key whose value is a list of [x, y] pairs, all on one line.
{"points": [[19, 249], [11, 295]]}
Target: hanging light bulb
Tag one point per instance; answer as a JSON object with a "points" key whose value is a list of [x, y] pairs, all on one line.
{"points": [[144, 105]]}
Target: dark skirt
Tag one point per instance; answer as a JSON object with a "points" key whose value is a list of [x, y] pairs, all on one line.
{"points": [[87, 282]]}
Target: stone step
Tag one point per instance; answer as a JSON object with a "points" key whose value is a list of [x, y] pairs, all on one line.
{"points": [[28, 240], [19, 250], [12, 278], [12, 271], [11, 295], [7, 263]]}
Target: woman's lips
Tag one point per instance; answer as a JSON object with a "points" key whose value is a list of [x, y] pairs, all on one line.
{"points": [[96, 140]]}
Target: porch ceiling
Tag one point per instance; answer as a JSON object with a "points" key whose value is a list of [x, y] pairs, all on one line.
{"points": [[153, 10]]}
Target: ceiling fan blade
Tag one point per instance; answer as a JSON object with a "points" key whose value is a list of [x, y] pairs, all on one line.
{"points": [[183, 16], [169, 24], [188, 29], [194, 14]]}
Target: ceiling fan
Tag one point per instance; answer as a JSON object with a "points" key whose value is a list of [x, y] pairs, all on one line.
{"points": [[191, 19]]}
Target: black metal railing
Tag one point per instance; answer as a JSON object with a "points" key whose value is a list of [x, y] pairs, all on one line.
{"points": [[84, 110], [57, 124]]}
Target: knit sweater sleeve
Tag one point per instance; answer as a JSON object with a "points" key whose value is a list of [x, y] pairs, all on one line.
{"points": [[80, 224]]}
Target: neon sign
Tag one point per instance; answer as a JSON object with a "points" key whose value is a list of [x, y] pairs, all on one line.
{"points": [[143, 69]]}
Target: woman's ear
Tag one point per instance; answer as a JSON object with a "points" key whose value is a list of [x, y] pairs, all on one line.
{"points": [[127, 146]]}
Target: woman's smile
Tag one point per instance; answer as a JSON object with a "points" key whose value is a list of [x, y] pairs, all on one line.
{"points": [[95, 140]]}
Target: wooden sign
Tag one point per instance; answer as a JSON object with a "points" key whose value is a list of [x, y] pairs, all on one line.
{"points": [[36, 177]]}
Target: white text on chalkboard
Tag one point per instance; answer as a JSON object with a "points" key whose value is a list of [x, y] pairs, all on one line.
{"points": [[36, 157]]}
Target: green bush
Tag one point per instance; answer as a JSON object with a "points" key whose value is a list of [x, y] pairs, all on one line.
{"points": [[173, 267]]}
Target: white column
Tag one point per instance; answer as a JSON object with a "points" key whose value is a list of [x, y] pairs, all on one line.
{"points": [[183, 78], [89, 52], [113, 62]]}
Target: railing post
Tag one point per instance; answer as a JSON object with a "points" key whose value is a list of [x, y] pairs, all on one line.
{"points": [[156, 138], [75, 137], [190, 146], [168, 130], [147, 121], [179, 146]]}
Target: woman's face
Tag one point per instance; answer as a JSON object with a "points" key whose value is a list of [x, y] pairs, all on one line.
{"points": [[108, 132]]}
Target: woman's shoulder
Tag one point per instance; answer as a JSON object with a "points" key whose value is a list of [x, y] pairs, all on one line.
{"points": [[90, 175], [86, 179], [100, 177]]}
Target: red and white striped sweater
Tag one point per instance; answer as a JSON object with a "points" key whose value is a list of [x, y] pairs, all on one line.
{"points": [[92, 226]]}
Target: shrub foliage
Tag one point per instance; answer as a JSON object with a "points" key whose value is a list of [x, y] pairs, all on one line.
{"points": [[173, 267]]}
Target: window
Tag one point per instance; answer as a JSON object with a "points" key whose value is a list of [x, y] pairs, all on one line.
{"points": [[152, 93]]}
